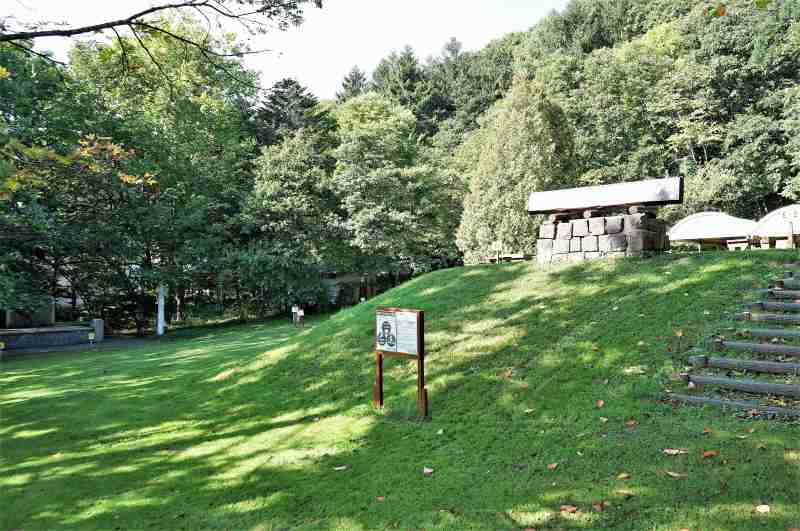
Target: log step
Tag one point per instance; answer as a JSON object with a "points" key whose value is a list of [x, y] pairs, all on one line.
{"points": [[770, 367], [748, 386], [763, 348], [767, 317], [775, 306], [781, 293], [788, 283], [769, 333], [735, 404]]}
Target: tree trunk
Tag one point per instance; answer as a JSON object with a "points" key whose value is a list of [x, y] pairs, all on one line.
{"points": [[180, 303]]}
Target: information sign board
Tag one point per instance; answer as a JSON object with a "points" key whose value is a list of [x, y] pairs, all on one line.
{"points": [[397, 331], [401, 333]]}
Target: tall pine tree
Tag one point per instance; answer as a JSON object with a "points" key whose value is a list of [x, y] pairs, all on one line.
{"points": [[354, 84]]}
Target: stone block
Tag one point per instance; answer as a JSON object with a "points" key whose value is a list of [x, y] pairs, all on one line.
{"points": [[544, 251], [640, 222], [561, 246], [580, 227], [564, 231], [589, 244], [597, 226], [642, 240], [544, 246], [614, 224], [547, 231], [575, 245], [617, 242], [544, 258], [612, 242]]}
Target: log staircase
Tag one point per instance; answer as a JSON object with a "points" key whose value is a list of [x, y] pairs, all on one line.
{"points": [[757, 368]]}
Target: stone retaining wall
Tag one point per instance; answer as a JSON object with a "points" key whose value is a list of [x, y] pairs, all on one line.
{"points": [[50, 336], [562, 239], [45, 337]]}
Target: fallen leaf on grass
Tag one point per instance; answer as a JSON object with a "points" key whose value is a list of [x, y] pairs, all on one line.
{"points": [[674, 451], [340, 468], [440, 432], [427, 471], [528, 411], [624, 476], [708, 430], [569, 509], [625, 493], [381, 498], [710, 453], [634, 370], [600, 403], [603, 419], [675, 475], [552, 466], [679, 333], [632, 423], [762, 509], [600, 506]]}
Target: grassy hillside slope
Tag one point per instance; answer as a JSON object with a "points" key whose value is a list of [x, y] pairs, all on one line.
{"points": [[244, 427]]}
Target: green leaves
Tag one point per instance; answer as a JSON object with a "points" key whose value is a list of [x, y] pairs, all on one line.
{"points": [[722, 9]]}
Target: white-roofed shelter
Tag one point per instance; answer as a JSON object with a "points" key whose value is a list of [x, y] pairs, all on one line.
{"points": [[780, 229], [713, 229]]}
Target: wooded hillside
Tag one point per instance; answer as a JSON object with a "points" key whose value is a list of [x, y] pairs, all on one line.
{"points": [[142, 163]]}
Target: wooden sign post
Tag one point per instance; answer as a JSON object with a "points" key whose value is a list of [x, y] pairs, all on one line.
{"points": [[400, 333]]}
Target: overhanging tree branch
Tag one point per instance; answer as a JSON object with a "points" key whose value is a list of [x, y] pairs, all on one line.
{"points": [[71, 32], [286, 11], [155, 62], [31, 51]]}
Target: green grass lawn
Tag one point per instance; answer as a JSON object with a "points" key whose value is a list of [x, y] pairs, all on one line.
{"points": [[244, 427]]}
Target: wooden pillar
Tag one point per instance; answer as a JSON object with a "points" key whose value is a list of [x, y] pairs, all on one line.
{"points": [[377, 390], [422, 392]]}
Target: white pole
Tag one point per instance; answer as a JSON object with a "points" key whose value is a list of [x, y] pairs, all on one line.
{"points": [[160, 326]]}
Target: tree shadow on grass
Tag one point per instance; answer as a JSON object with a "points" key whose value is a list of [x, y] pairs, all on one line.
{"points": [[247, 427]]}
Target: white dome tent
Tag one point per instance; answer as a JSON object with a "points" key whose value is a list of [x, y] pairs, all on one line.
{"points": [[780, 229], [713, 229]]}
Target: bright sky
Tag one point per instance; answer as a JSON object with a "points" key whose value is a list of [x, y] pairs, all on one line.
{"points": [[334, 39]]}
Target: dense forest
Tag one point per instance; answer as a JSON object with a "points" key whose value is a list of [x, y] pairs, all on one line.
{"points": [[142, 163]]}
